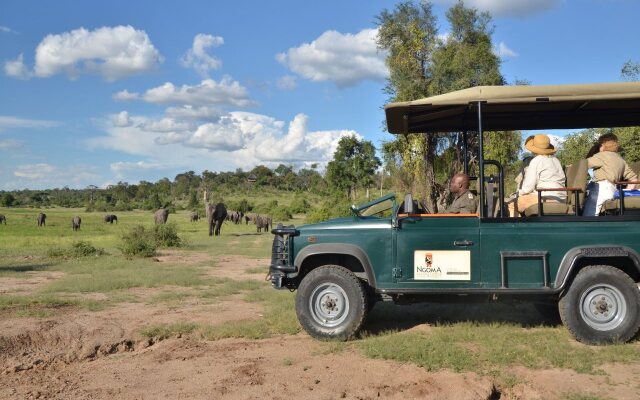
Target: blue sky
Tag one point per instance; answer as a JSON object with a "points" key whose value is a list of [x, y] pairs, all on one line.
{"points": [[92, 93]]}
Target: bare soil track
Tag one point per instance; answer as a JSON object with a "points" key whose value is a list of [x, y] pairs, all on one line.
{"points": [[102, 355]]}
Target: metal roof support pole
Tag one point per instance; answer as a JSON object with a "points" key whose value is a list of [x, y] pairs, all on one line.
{"points": [[466, 155], [481, 161]]}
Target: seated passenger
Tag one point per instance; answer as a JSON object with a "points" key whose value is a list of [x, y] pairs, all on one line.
{"points": [[464, 201], [544, 172], [608, 167]]}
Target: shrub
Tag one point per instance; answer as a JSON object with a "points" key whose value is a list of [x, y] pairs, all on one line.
{"points": [[77, 250], [300, 205], [331, 208], [280, 214], [138, 242], [166, 235]]}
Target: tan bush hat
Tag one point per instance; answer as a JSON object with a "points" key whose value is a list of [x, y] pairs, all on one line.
{"points": [[540, 144]]}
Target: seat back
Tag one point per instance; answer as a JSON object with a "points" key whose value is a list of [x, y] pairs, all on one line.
{"points": [[577, 175]]}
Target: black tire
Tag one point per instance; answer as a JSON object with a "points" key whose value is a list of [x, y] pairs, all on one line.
{"points": [[331, 303], [601, 306]]}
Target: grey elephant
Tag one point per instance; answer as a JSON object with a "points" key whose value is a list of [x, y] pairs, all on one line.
{"points": [[263, 222], [250, 217], [216, 214], [161, 216], [194, 217], [3, 219], [110, 218], [42, 218], [75, 223]]}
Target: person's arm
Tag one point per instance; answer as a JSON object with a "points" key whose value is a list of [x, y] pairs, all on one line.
{"points": [[530, 178], [596, 161]]}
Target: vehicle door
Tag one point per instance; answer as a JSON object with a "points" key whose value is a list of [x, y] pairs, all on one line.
{"points": [[437, 251]]}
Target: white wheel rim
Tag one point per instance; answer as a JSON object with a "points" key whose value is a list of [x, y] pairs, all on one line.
{"points": [[603, 307], [329, 305]]}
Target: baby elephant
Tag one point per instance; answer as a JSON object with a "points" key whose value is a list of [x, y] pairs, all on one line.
{"points": [[42, 217], [110, 218], [75, 223], [3, 219], [194, 217]]}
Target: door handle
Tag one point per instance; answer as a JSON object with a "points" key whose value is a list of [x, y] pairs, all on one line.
{"points": [[463, 243]]}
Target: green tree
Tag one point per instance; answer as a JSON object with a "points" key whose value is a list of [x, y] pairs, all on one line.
{"points": [[422, 65], [8, 200], [353, 164]]}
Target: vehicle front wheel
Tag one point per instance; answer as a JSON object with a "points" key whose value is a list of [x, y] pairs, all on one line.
{"points": [[601, 306], [331, 303]]}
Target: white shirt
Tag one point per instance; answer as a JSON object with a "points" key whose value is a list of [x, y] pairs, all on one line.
{"points": [[544, 172]]}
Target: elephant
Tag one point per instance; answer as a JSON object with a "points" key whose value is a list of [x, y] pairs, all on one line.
{"points": [[42, 217], [194, 217], [161, 216], [110, 218], [263, 222], [250, 217], [216, 214], [3, 219], [75, 223]]}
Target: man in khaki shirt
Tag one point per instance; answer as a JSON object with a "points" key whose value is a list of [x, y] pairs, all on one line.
{"points": [[608, 168], [464, 201]]}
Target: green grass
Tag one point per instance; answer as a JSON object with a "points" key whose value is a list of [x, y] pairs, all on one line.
{"points": [[21, 236], [471, 346], [165, 331], [44, 305]]}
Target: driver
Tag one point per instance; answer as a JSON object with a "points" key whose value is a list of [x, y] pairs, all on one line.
{"points": [[464, 201]]}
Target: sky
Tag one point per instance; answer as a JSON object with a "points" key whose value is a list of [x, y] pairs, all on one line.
{"points": [[96, 92]]}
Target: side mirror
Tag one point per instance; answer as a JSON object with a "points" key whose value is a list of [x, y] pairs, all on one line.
{"points": [[408, 204]]}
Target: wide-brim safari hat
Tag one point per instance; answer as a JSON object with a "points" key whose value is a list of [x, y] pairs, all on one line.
{"points": [[540, 144]]}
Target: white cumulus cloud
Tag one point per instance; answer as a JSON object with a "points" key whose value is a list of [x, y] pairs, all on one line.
{"points": [[235, 140], [122, 166], [198, 58], [122, 119], [194, 113], [227, 92], [345, 59], [110, 52], [125, 95], [17, 69], [515, 8]]}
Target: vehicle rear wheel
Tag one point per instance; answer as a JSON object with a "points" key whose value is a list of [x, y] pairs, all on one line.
{"points": [[601, 306], [331, 303]]}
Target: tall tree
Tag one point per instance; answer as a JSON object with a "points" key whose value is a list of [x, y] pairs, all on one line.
{"points": [[354, 162], [422, 65]]}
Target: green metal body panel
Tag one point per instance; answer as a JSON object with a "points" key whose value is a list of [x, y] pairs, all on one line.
{"points": [[390, 249]]}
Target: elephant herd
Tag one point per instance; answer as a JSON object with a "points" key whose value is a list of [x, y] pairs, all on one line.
{"points": [[216, 215]]}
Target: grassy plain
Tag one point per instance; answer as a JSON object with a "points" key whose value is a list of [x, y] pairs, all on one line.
{"points": [[485, 340]]}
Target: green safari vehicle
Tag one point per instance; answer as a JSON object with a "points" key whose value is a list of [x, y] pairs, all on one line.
{"points": [[389, 249]]}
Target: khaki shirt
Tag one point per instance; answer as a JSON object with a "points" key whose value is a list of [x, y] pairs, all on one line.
{"points": [[609, 166], [464, 203]]}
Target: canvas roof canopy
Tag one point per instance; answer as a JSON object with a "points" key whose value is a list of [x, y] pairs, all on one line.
{"points": [[596, 105]]}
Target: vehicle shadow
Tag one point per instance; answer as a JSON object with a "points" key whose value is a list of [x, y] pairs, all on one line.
{"points": [[247, 234], [386, 316]]}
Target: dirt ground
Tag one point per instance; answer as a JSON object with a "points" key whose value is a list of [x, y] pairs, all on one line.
{"points": [[102, 355]]}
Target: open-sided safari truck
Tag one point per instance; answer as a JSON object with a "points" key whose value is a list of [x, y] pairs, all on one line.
{"points": [[588, 266]]}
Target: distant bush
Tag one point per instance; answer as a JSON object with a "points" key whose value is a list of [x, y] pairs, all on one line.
{"points": [[166, 235], [77, 250], [143, 242], [280, 214], [138, 242], [331, 208], [300, 205]]}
